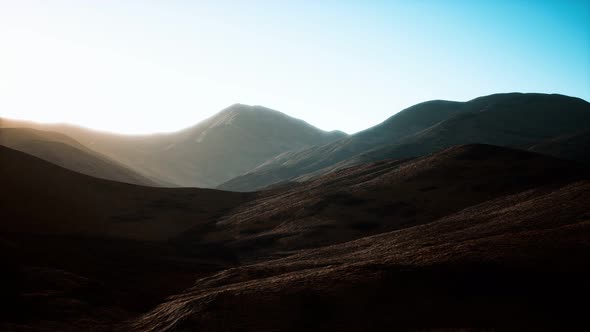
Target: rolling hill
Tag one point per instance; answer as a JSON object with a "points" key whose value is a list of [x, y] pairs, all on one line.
{"points": [[519, 260], [64, 151], [382, 196], [512, 120], [80, 253], [43, 198], [501, 263], [570, 147], [407, 236]]}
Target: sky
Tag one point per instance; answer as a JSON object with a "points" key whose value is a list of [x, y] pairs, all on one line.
{"points": [[157, 66]]}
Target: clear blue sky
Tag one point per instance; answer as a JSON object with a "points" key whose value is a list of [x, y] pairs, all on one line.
{"points": [[152, 66]]}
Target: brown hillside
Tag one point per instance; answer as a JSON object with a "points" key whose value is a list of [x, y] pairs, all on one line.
{"points": [[384, 196], [519, 261]]}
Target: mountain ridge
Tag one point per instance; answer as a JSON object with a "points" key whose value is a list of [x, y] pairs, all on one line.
{"points": [[206, 154], [512, 119], [64, 151]]}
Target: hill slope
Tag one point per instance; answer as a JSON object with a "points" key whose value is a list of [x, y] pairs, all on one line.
{"points": [[382, 196], [519, 260], [513, 120], [460, 233], [222, 147], [39, 197], [570, 147], [80, 252], [64, 151]]}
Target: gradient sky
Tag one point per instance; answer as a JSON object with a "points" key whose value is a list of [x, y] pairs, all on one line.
{"points": [[153, 66]]}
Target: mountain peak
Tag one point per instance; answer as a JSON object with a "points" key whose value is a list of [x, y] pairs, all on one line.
{"points": [[241, 113], [239, 108], [236, 140]]}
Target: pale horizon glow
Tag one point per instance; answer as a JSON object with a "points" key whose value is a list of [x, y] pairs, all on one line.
{"points": [[159, 66]]}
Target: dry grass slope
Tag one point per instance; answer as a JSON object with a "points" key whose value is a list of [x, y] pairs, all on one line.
{"points": [[519, 260], [474, 235]]}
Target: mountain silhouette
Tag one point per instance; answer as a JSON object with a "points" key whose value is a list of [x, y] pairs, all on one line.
{"points": [[513, 120], [209, 153], [64, 151]]}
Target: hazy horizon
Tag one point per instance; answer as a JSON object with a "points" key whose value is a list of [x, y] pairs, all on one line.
{"points": [[189, 125], [148, 67]]}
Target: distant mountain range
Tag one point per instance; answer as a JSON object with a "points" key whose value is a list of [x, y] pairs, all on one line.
{"points": [[524, 121], [64, 151], [230, 143], [247, 148]]}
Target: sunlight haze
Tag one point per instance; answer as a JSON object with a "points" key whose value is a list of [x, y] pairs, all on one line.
{"points": [[158, 66]]}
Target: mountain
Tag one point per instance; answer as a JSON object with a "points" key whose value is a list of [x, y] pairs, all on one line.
{"points": [[64, 151], [234, 141], [513, 120], [215, 150]]}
